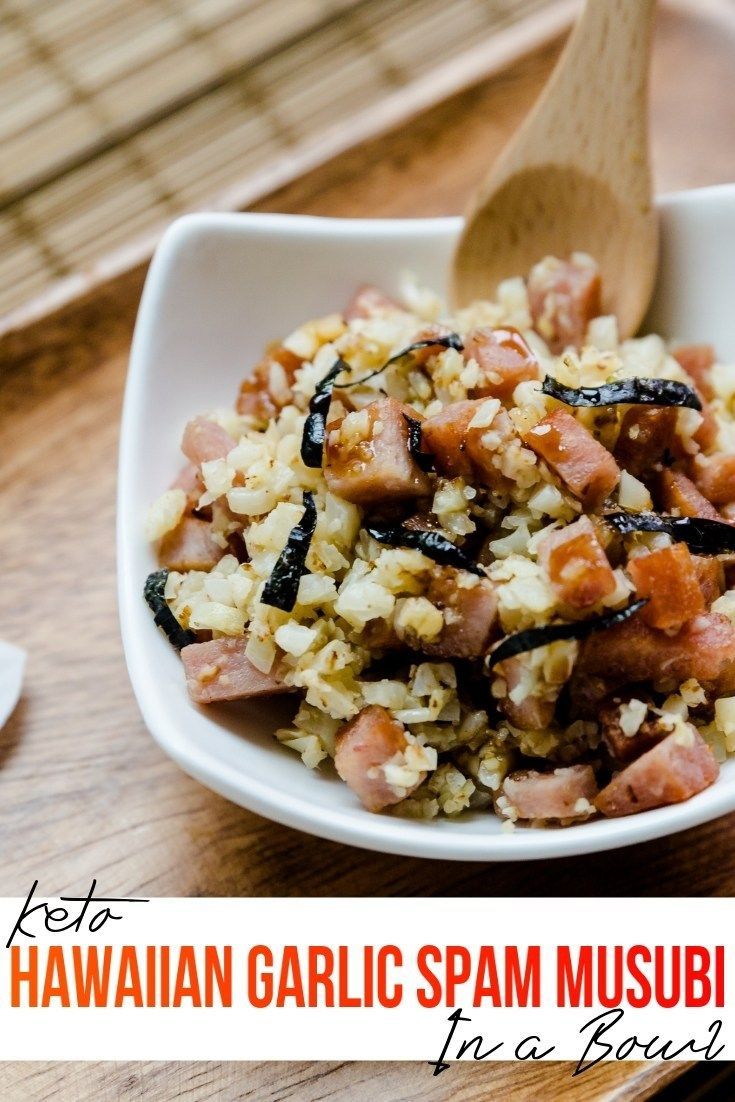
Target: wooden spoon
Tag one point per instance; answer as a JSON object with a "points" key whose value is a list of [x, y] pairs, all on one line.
{"points": [[576, 176]]}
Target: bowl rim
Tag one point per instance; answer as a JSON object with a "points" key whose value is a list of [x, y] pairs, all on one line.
{"points": [[357, 827]]}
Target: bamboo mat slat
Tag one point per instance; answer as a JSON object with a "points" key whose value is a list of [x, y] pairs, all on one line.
{"points": [[115, 117], [70, 92]]}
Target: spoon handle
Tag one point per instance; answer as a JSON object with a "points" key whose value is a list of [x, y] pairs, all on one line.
{"points": [[576, 176], [605, 68], [614, 33], [593, 112]]}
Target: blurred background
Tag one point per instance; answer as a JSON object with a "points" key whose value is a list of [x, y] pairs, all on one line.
{"points": [[118, 115]]}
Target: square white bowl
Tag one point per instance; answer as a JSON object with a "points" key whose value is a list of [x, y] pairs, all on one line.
{"points": [[219, 288]]}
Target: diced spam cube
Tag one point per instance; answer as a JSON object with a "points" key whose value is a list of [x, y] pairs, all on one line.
{"points": [[533, 711], [365, 744], [504, 359], [711, 577], [580, 461], [190, 546], [421, 356], [672, 771], [624, 745], [697, 360], [218, 671], [470, 609], [368, 459], [645, 437], [708, 431], [715, 478], [704, 649], [204, 440], [472, 452], [445, 436], [555, 795], [268, 389], [368, 301], [577, 565], [190, 481], [668, 579], [564, 296], [680, 496]]}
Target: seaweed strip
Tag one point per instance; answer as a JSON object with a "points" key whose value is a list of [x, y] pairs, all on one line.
{"points": [[163, 617], [634, 392], [701, 535], [451, 340], [315, 426], [281, 589], [423, 459], [522, 641], [431, 544]]}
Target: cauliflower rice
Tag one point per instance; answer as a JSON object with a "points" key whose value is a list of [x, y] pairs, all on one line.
{"points": [[389, 649]]}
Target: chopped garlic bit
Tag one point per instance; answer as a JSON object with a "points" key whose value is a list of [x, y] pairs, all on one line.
{"points": [[632, 494], [692, 693], [632, 715], [725, 720], [295, 639], [485, 415], [164, 514]]}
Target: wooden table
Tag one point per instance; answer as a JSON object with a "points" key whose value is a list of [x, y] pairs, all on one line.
{"points": [[85, 790]]}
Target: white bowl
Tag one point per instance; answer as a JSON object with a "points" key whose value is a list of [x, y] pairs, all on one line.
{"points": [[220, 287]]}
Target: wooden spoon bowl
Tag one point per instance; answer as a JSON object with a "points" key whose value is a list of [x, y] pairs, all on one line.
{"points": [[576, 176]]}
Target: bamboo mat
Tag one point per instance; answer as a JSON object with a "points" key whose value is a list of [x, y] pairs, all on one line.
{"points": [[115, 117]]}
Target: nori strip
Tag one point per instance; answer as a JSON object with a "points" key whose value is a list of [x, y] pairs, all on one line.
{"points": [[423, 459], [163, 617], [315, 426], [431, 544], [451, 340], [634, 392], [281, 589], [522, 641], [701, 535]]}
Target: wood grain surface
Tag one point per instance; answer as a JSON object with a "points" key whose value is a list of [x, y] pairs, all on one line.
{"points": [[85, 790], [319, 1082]]}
